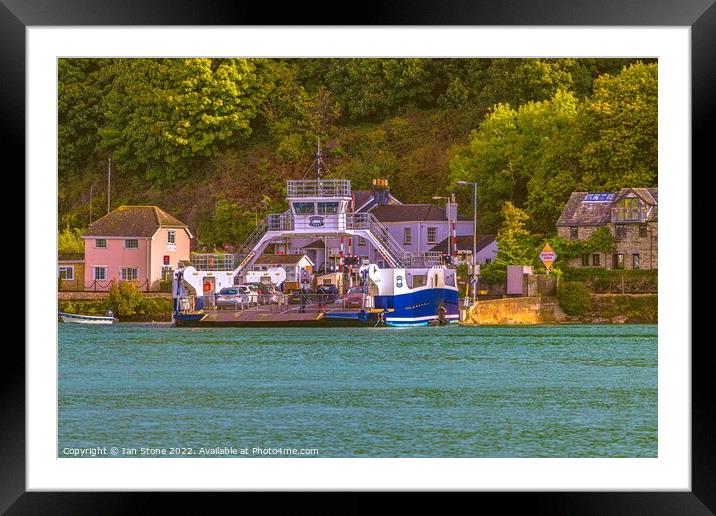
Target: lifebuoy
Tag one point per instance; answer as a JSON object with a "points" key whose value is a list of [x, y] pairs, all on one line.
{"points": [[207, 286]]}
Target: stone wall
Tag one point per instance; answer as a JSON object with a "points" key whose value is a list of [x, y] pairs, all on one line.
{"points": [[515, 310], [646, 247]]}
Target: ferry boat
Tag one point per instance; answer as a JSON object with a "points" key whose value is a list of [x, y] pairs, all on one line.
{"points": [[408, 289]]}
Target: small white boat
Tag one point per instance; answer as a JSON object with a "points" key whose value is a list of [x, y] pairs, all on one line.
{"points": [[86, 319]]}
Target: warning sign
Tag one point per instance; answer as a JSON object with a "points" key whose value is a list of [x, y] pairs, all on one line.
{"points": [[548, 256]]}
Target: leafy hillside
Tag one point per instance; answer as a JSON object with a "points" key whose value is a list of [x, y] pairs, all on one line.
{"points": [[213, 140]]}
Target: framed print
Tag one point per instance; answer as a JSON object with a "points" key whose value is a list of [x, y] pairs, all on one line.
{"points": [[482, 183]]}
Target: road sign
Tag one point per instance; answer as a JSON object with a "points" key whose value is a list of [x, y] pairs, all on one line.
{"points": [[548, 256]]}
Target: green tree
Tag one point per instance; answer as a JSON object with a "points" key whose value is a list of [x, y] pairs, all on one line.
{"points": [[619, 122], [82, 85], [164, 113], [515, 244], [70, 240], [232, 222], [527, 156], [370, 88], [293, 116]]}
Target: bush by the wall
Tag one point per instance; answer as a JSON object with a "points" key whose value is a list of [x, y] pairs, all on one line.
{"points": [[574, 297], [633, 281], [125, 298], [636, 309]]}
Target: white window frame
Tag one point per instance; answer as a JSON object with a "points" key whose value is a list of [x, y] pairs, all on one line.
{"points": [[407, 236], [434, 240], [97, 241], [94, 272], [131, 240], [123, 273], [361, 241], [71, 268], [171, 237]]}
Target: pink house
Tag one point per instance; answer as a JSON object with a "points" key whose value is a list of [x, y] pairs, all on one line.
{"points": [[134, 243]]}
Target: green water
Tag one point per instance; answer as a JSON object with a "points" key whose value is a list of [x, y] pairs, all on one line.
{"points": [[540, 391]]}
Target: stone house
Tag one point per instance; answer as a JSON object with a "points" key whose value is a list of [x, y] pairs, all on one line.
{"points": [[631, 215]]}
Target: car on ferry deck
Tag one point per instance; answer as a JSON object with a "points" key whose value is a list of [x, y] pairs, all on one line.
{"points": [[353, 298], [231, 298]]}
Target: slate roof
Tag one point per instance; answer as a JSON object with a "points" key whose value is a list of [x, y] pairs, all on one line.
{"points": [[464, 243], [280, 259], [316, 244], [133, 221], [365, 197], [578, 212], [412, 212], [361, 197]]}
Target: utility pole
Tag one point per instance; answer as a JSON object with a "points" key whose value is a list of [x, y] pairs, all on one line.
{"points": [[109, 181], [474, 236]]}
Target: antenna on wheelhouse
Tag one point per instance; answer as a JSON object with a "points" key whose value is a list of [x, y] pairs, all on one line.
{"points": [[319, 159], [318, 163]]}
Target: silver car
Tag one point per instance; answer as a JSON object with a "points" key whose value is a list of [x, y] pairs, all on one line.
{"points": [[232, 298]]}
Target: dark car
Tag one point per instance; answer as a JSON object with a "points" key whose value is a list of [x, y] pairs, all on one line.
{"points": [[354, 297], [330, 292]]}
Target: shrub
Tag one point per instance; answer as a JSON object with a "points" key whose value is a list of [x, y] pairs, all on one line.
{"points": [[165, 285], [574, 297], [125, 298], [609, 280], [637, 309]]}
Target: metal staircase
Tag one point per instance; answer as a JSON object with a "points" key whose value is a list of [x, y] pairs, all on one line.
{"points": [[387, 246]]}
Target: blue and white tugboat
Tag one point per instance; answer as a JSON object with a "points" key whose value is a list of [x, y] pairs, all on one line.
{"points": [[408, 289]]}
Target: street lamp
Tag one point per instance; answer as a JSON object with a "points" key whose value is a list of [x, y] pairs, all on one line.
{"points": [[474, 235]]}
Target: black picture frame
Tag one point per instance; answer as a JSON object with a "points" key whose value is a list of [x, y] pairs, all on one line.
{"points": [[16, 15]]}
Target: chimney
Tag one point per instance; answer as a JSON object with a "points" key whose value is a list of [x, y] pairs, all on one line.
{"points": [[381, 191]]}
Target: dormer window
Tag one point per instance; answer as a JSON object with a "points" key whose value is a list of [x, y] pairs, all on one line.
{"points": [[628, 209]]}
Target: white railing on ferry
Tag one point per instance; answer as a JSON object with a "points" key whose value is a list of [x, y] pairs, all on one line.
{"points": [[213, 262], [322, 188]]}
